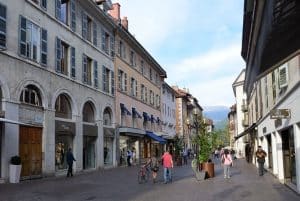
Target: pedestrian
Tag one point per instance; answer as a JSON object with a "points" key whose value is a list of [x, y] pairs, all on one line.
{"points": [[185, 157], [154, 166], [260, 154], [70, 159], [216, 154], [167, 164], [129, 155], [227, 163]]}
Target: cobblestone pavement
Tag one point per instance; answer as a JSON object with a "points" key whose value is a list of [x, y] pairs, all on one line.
{"points": [[121, 184]]}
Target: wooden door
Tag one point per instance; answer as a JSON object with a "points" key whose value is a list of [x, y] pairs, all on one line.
{"points": [[31, 151]]}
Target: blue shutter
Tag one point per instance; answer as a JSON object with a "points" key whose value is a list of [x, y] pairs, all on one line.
{"points": [[58, 55], [2, 26], [103, 40], [136, 88], [112, 83], [84, 69], [84, 25], [22, 37], [103, 78], [95, 33], [44, 48], [112, 46], [96, 84], [125, 82], [73, 15], [73, 63], [58, 9], [44, 4]]}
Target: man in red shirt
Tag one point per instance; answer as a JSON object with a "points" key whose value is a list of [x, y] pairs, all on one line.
{"points": [[167, 164]]}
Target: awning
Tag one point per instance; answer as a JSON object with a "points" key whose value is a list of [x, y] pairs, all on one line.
{"points": [[155, 137], [131, 131], [245, 132], [146, 116], [124, 110], [135, 113]]}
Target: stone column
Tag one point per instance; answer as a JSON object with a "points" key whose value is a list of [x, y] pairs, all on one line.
{"points": [[78, 144], [279, 157], [99, 146], [275, 154]]}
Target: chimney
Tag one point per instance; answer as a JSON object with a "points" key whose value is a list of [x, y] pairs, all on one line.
{"points": [[115, 11], [124, 23]]}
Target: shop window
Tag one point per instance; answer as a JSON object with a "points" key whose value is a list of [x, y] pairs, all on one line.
{"points": [[31, 95], [63, 107], [88, 112], [107, 117]]}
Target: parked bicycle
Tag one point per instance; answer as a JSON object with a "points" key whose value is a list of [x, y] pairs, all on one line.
{"points": [[143, 174]]}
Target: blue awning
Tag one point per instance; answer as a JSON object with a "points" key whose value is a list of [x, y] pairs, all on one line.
{"points": [[124, 110], [135, 113], [155, 137]]}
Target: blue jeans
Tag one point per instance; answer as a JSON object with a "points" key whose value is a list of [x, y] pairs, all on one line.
{"points": [[167, 175]]}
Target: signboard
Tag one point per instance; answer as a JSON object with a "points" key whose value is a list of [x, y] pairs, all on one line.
{"points": [[280, 114]]}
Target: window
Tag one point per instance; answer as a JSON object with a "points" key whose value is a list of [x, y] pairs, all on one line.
{"points": [[150, 74], [105, 41], [146, 95], [63, 107], [122, 79], [62, 10], [122, 50], [142, 67], [43, 3], [87, 70], [87, 26], [32, 41], [283, 76], [88, 112], [132, 58], [2, 26], [142, 92], [62, 57], [157, 101], [31, 95], [151, 97], [133, 87], [108, 80]]}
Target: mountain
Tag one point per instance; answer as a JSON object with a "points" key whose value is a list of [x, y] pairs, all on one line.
{"points": [[218, 114]]}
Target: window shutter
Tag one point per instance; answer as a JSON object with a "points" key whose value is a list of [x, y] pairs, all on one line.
{"points": [[95, 33], [73, 15], [73, 63], [119, 48], [44, 48], [96, 74], [84, 25], [119, 80], [103, 78], [22, 37], [112, 46], [57, 9], [44, 4], [84, 69], [103, 39], [2, 26], [112, 83], [58, 55], [283, 76], [146, 94], [136, 88], [125, 82]]}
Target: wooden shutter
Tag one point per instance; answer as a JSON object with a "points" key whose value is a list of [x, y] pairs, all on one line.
{"points": [[136, 88], [58, 9], [84, 69], [112, 46], [96, 84], [283, 76], [125, 82], [22, 38], [58, 55], [2, 26], [44, 49], [73, 63], [95, 33], [104, 78], [73, 15], [84, 25], [119, 80], [112, 83], [103, 39]]}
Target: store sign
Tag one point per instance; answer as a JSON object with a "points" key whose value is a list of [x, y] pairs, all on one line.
{"points": [[280, 114]]}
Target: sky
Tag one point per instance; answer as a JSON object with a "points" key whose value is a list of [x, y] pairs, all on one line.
{"points": [[197, 42]]}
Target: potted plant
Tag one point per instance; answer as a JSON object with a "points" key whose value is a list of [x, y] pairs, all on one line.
{"points": [[178, 146], [15, 169]]}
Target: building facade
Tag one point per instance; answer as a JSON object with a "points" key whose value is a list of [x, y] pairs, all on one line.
{"points": [[271, 50], [56, 85], [139, 80]]}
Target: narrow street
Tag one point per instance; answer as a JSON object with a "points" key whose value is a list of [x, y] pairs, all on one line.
{"points": [[121, 184]]}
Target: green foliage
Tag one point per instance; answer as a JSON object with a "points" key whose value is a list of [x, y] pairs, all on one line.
{"points": [[178, 145], [15, 160]]}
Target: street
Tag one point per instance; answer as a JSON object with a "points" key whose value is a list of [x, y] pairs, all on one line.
{"points": [[121, 184]]}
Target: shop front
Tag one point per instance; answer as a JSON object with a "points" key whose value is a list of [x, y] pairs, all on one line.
{"points": [[130, 140], [64, 137], [90, 134]]}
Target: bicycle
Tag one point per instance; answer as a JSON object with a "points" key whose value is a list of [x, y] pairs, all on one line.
{"points": [[143, 174]]}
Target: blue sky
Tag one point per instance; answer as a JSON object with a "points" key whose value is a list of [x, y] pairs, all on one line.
{"points": [[197, 42]]}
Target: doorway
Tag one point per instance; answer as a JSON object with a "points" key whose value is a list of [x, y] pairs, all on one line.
{"points": [[31, 152], [270, 154], [289, 163]]}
